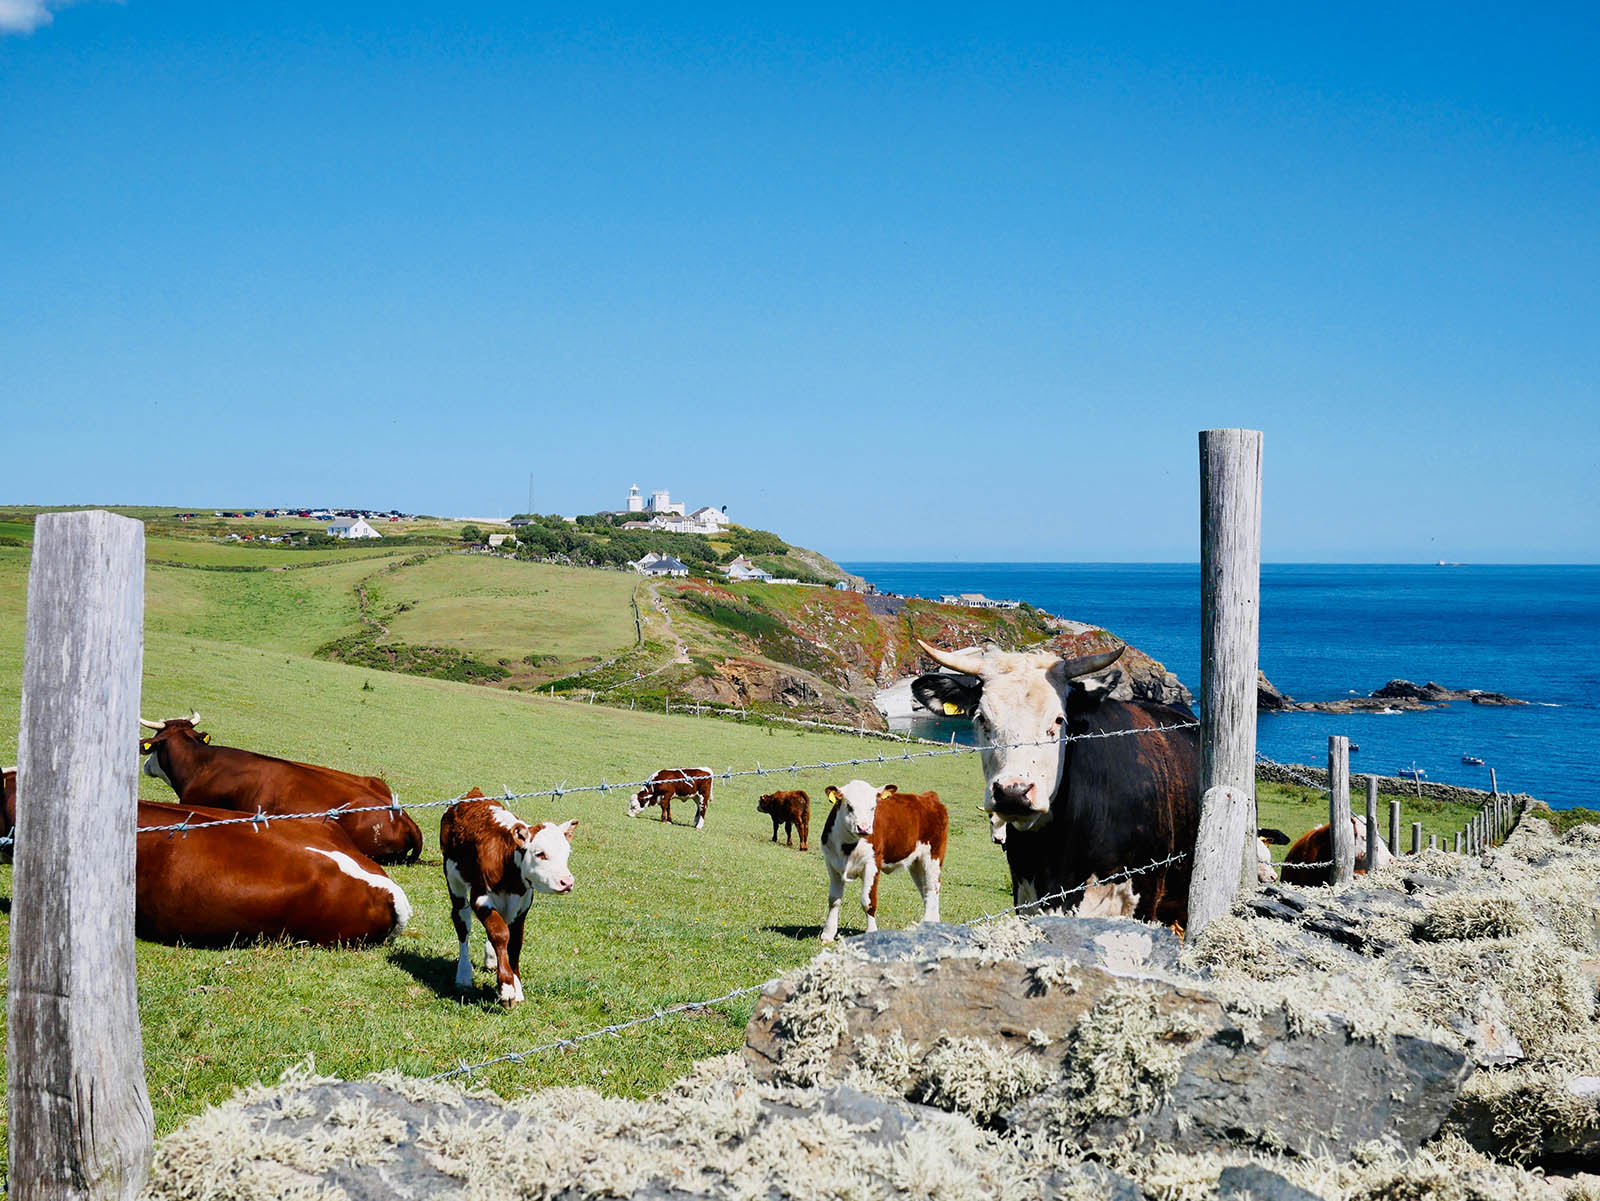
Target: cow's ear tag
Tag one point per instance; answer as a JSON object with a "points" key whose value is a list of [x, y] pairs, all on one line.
{"points": [[205, 738], [146, 746], [951, 709]]}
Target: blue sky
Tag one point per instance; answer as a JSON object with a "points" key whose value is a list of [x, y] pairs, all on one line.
{"points": [[921, 282]]}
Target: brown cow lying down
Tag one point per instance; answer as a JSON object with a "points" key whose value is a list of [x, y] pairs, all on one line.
{"points": [[223, 777], [493, 864], [672, 782], [1316, 846], [1108, 900], [873, 830], [791, 810], [302, 880]]}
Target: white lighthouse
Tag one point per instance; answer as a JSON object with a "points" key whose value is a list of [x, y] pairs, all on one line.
{"points": [[635, 500]]}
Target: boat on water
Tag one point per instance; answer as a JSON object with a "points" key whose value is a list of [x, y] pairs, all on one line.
{"points": [[1412, 773], [1472, 760]]}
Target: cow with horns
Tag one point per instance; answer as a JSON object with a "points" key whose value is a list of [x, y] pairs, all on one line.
{"points": [[223, 777], [1075, 802]]}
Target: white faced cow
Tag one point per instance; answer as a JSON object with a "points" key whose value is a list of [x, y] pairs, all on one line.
{"points": [[1077, 799], [873, 830]]}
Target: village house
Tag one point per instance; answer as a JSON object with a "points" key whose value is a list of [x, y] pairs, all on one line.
{"points": [[657, 564], [352, 527], [743, 569]]}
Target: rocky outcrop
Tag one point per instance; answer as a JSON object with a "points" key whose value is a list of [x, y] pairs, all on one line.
{"points": [[1397, 696], [1268, 698]]}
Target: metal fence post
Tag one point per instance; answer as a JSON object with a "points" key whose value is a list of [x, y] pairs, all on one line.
{"points": [[80, 1118], [1230, 627]]}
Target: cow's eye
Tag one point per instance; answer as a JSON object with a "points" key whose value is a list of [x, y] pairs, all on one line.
{"points": [[540, 855]]}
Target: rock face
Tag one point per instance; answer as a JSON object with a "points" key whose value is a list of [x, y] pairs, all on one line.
{"points": [[1087, 1030], [1395, 695], [1268, 698], [1433, 694]]}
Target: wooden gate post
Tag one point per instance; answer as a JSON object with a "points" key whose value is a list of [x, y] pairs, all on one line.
{"points": [[1339, 823], [1372, 821], [1230, 628], [81, 1125]]}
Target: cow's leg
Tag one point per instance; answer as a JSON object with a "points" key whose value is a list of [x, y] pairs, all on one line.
{"points": [[700, 811], [514, 954], [495, 926], [788, 833], [830, 923], [869, 894], [461, 916], [805, 829], [666, 810], [775, 824], [925, 870]]}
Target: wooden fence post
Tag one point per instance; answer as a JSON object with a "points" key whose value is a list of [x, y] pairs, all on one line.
{"points": [[1230, 628], [1416, 838], [80, 1118], [1394, 827], [1372, 820], [1458, 842], [1494, 784], [1339, 823], [1433, 842]]}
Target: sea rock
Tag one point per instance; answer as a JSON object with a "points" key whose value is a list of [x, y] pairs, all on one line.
{"points": [[1087, 1029], [1268, 698]]}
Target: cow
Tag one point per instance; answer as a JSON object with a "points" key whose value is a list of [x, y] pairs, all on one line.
{"points": [[8, 787], [1266, 839], [493, 864], [302, 880], [223, 777], [1108, 900], [873, 830], [1075, 803], [670, 782], [1315, 847], [792, 811]]}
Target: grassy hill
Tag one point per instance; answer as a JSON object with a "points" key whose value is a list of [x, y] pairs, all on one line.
{"points": [[661, 915]]}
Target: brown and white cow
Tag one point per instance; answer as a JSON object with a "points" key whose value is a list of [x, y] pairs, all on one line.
{"points": [[493, 864], [791, 810], [1315, 846], [302, 880], [1078, 800], [1266, 839], [223, 777], [872, 830], [672, 782]]}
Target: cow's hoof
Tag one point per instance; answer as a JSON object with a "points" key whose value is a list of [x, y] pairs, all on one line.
{"points": [[508, 995]]}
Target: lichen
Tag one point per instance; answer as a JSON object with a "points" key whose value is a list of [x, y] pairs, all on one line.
{"points": [[812, 1021], [1123, 1056], [1474, 915], [974, 1077]]}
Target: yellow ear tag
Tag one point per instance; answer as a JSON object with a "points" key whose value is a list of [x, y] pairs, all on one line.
{"points": [[145, 746], [205, 738], [951, 709]]}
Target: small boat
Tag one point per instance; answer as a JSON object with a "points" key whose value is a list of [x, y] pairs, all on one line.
{"points": [[1354, 747], [1412, 773], [1472, 760]]}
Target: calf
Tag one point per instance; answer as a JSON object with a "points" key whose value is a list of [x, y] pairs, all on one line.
{"points": [[1266, 839], [672, 782], [873, 830], [791, 810], [303, 880], [1315, 846], [493, 864]]}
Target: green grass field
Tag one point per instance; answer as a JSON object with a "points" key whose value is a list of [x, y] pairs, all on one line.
{"points": [[661, 915]]}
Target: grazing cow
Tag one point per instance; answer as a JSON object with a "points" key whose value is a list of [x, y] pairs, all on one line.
{"points": [[672, 782], [1315, 846], [302, 880], [1266, 839], [873, 830], [1108, 900], [223, 777], [493, 864], [792, 811], [1077, 804]]}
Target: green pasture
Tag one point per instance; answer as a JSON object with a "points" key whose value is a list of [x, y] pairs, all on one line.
{"points": [[205, 552], [661, 915]]}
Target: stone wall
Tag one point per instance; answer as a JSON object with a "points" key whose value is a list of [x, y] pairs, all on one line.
{"points": [[1291, 773]]}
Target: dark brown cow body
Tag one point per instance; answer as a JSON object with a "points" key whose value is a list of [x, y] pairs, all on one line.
{"points": [[223, 777], [792, 811], [670, 783], [290, 879], [493, 864]]}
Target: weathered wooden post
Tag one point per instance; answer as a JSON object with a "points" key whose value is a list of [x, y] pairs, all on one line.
{"points": [[1433, 842], [1394, 826], [80, 1118], [1339, 824], [1494, 784], [1372, 816], [1416, 838], [1230, 627], [1458, 842]]}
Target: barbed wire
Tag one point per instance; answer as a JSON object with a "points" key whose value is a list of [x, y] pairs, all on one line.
{"points": [[1114, 878], [260, 818]]}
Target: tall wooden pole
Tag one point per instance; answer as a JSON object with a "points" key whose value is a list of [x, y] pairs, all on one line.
{"points": [[1372, 821], [1230, 627], [1340, 825], [81, 1125]]}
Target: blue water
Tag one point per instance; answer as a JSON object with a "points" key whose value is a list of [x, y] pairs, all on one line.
{"points": [[1331, 630]]}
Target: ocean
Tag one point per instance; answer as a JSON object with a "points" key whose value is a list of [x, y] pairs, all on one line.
{"points": [[1333, 630]]}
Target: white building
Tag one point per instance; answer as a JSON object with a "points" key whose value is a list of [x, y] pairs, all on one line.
{"points": [[352, 527], [742, 569], [635, 501], [656, 563]]}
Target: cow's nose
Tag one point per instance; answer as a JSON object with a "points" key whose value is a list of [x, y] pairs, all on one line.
{"points": [[565, 885], [1013, 798]]}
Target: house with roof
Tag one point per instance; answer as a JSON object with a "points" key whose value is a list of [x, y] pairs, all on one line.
{"points": [[743, 569], [656, 564], [352, 527]]}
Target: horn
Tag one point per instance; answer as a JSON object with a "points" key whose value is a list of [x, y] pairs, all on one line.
{"points": [[1087, 665], [967, 662], [194, 717], [151, 725]]}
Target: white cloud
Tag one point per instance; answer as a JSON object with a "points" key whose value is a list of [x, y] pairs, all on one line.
{"points": [[24, 16]]}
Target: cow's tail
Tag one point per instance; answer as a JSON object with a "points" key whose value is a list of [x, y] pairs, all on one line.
{"points": [[413, 832]]}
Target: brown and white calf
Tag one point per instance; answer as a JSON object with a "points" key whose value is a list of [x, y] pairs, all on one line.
{"points": [[671, 782], [1308, 860], [493, 864], [873, 830], [791, 810]]}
